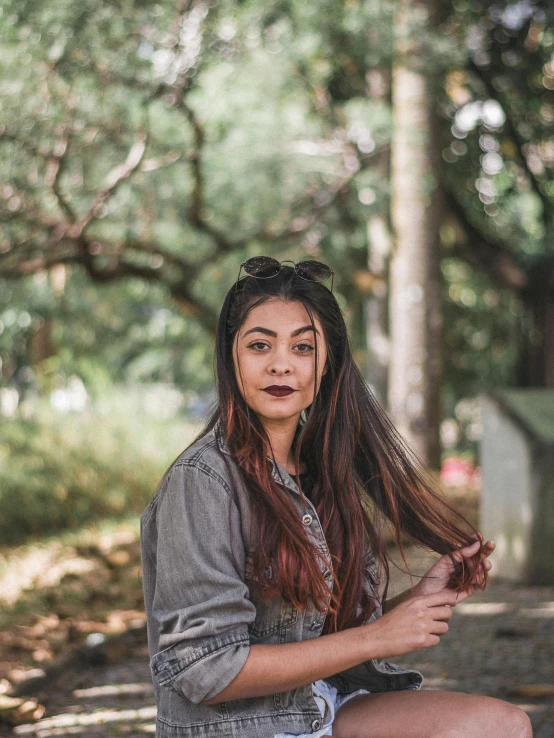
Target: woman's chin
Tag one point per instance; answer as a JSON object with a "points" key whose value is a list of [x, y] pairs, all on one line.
{"points": [[274, 413]]}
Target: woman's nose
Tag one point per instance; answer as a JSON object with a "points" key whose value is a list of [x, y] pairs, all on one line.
{"points": [[280, 362], [279, 368]]}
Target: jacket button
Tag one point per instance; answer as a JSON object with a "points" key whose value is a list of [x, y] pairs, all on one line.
{"points": [[317, 725], [307, 519], [314, 625]]}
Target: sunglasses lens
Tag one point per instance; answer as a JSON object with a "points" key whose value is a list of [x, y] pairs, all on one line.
{"points": [[262, 267], [313, 270]]}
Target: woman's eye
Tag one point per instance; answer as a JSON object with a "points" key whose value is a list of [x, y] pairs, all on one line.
{"points": [[304, 348]]}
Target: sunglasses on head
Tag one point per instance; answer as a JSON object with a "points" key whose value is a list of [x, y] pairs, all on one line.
{"points": [[265, 267]]}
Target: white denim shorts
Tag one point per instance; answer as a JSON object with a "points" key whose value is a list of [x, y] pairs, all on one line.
{"points": [[328, 701]]}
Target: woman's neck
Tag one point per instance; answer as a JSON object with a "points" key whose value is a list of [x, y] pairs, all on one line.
{"points": [[281, 436]]}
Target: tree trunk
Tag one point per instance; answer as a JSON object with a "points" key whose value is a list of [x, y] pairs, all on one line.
{"points": [[415, 318], [379, 247], [41, 345], [536, 367], [376, 308]]}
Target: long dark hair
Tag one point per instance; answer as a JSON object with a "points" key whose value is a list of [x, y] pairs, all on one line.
{"points": [[366, 479]]}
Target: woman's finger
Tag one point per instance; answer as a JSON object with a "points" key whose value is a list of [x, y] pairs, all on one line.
{"points": [[487, 551], [468, 551], [489, 545]]}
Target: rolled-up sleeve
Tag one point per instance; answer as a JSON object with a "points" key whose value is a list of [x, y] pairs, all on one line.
{"points": [[200, 603]]}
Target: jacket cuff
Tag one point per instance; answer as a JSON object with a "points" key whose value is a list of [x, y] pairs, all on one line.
{"points": [[201, 669]]}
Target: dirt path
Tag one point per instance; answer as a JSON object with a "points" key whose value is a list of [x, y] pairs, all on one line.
{"points": [[82, 669], [500, 644]]}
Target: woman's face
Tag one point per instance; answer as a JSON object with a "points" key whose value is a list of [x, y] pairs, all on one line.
{"points": [[276, 346]]}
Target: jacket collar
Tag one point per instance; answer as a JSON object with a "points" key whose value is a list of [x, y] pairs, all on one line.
{"points": [[279, 473]]}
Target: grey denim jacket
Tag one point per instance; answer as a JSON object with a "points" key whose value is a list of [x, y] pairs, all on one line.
{"points": [[204, 608]]}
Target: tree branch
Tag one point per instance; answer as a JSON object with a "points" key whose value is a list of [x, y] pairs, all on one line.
{"points": [[57, 165], [511, 130], [114, 178], [497, 261]]}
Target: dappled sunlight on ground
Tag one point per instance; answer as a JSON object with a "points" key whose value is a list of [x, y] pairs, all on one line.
{"points": [[74, 645], [68, 724], [114, 689]]}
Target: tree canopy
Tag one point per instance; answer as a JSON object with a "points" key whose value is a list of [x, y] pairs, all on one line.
{"points": [[150, 147]]}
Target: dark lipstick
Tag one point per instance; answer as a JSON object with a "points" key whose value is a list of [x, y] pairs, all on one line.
{"points": [[279, 390]]}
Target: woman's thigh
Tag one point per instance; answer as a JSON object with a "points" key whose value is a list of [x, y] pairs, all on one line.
{"points": [[429, 714]]}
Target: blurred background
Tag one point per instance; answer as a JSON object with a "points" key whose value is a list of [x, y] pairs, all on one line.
{"points": [[147, 149]]}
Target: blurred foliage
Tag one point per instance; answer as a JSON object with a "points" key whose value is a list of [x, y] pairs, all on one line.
{"points": [[500, 155], [62, 471], [266, 129]]}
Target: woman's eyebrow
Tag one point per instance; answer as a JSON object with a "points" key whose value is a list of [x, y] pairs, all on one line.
{"points": [[269, 332]]}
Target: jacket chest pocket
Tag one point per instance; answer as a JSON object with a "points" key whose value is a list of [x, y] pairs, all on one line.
{"points": [[272, 616]]}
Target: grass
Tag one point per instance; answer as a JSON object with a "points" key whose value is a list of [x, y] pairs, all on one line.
{"points": [[60, 472]]}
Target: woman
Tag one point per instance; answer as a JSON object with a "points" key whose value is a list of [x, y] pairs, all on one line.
{"points": [[264, 566]]}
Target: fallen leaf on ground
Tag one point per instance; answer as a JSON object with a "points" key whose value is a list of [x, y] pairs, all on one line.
{"points": [[536, 691]]}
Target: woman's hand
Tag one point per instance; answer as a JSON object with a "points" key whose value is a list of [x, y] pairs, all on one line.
{"points": [[416, 623], [441, 572]]}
